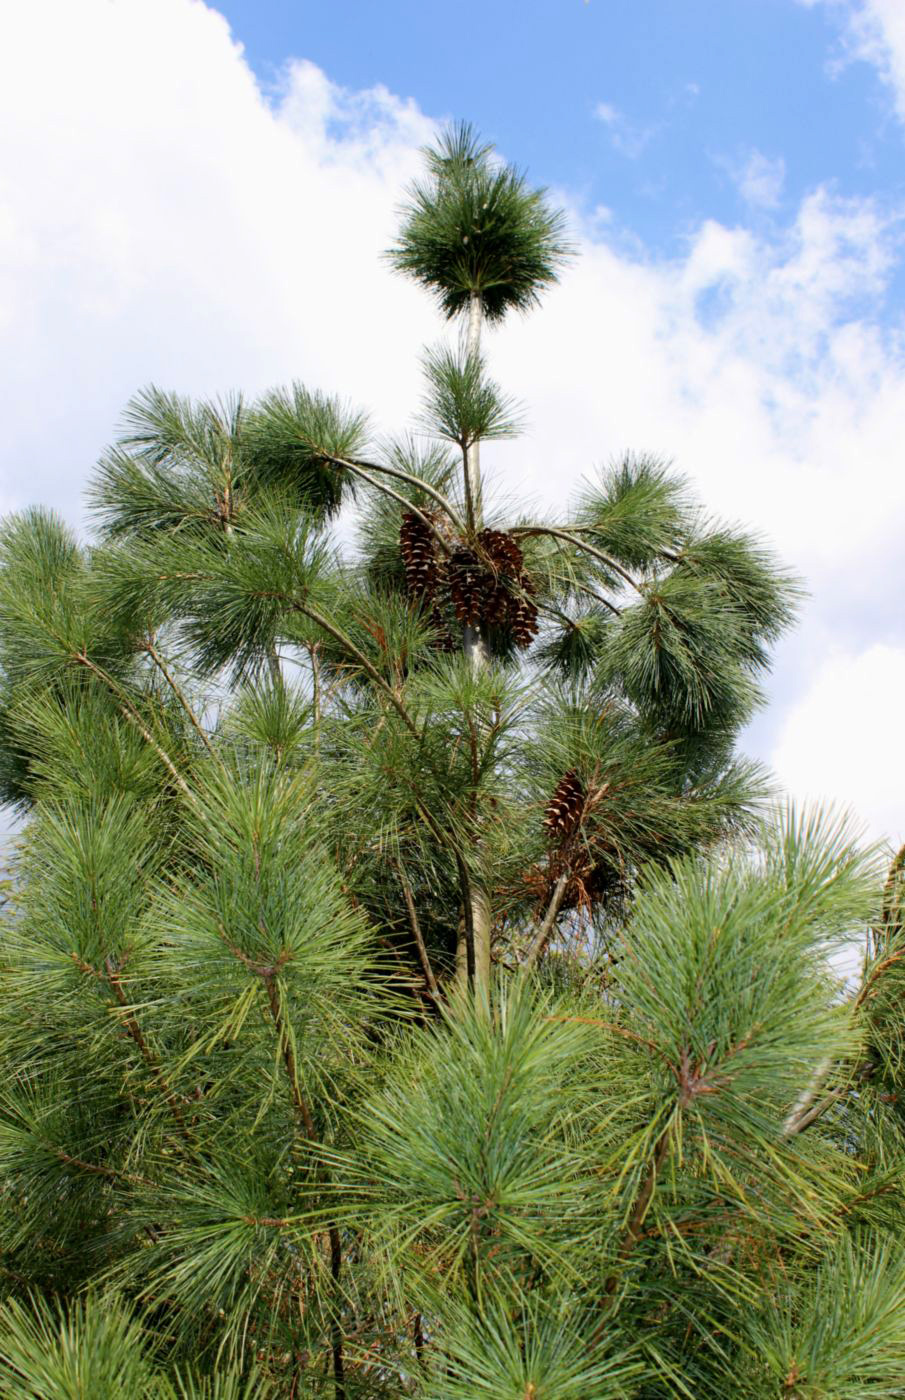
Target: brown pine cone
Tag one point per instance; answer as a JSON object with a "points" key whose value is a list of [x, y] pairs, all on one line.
{"points": [[498, 605], [502, 552], [416, 545], [523, 619], [523, 615], [566, 806], [469, 586]]}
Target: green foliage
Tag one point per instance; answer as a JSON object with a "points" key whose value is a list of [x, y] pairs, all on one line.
{"points": [[228, 603], [48, 617], [92, 1350], [678, 654], [637, 511], [736, 1018], [176, 464], [474, 228], [97, 1348], [539, 1353], [466, 1154], [839, 1332], [462, 404], [406, 988], [299, 440], [180, 465]]}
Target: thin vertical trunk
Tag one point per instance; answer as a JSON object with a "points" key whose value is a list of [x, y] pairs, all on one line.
{"points": [[473, 952], [481, 925], [475, 647], [474, 494], [465, 962]]}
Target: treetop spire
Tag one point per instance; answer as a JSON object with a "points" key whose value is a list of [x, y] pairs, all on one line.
{"points": [[475, 228]]}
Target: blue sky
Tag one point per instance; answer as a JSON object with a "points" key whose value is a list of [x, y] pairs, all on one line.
{"points": [[692, 89], [196, 193]]}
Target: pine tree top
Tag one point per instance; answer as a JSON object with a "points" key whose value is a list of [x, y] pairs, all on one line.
{"points": [[474, 227]]}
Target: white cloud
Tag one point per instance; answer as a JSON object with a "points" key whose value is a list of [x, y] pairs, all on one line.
{"points": [[844, 729], [748, 362], [626, 138], [875, 32], [759, 179], [159, 220]]}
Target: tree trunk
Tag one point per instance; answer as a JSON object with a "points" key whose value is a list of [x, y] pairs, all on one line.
{"points": [[476, 927], [474, 494]]}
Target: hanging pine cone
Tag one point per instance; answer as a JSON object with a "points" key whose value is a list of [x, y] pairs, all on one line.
{"points": [[565, 808], [469, 586], [498, 604], [487, 586], [502, 552], [523, 614], [416, 545], [507, 604]]}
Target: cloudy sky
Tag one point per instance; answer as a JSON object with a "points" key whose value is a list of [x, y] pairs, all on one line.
{"points": [[198, 195]]}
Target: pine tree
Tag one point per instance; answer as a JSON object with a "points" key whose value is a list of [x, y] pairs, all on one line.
{"points": [[407, 988]]}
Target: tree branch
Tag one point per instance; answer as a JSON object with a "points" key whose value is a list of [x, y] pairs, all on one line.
{"points": [[408, 505], [144, 1048], [424, 486], [96, 1170], [345, 641], [540, 939], [131, 714], [597, 597], [415, 926], [595, 553], [161, 666], [802, 1113]]}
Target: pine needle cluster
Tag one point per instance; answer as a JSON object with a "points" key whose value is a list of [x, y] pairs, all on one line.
{"points": [[408, 989]]}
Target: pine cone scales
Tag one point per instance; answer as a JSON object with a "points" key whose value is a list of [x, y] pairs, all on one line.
{"points": [[469, 586], [565, 808], [416, 545], [502, 552], [486, 584], [523, 616], [498, 605]]}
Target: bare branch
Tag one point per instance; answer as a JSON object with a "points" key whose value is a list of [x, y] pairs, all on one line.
{"points": [[569, 538], [415, 926], [161, 666], [424, 486], [540, 939], [406, 504]]}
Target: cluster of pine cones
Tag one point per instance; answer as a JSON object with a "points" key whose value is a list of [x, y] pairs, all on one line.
{"points": [[486, 584]]}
